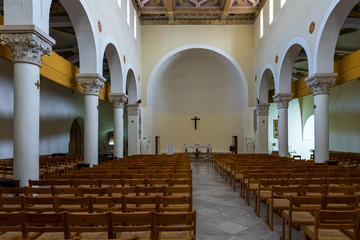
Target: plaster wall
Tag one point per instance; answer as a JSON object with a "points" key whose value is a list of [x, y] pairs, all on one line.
{"points": [[291, 22], [115, 29], [59, 106], [235, 40]]}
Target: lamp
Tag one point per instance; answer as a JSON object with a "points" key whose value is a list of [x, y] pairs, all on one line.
{"points": [[111, 138]]}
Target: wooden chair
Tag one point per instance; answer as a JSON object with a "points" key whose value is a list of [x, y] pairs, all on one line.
{"points": [[94, 191], [72, 204], [39, 191], [175, 204], [104, 204], [175, 225], [335, 202], [331, 224], [59, 183], [278, 201], [161, 182], [52, 224], [40, 183], [10, 226], [150, 191], [68, 191], [98, 224], [263, 193], [300, 212], [140, 204], [121, 191], [137, 224], [110, 182], [178, 191], [180, 182], [9, 192]]}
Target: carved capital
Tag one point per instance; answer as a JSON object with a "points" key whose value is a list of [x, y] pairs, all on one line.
{"points": [[118, 99], [282, 99], [91, 83], [321, 82], [133, 109], [27, 43], [262, 109]]}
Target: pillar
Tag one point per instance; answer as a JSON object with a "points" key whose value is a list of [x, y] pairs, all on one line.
{"points": [[91, 84], [118, 100], [321, 84], [261, 136], [282, 101], [133, 129], [27, 43]]}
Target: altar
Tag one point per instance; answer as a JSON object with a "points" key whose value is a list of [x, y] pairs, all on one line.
{"points": [[197, 147]]}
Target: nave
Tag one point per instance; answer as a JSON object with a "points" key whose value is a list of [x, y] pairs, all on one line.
{"points": [[222, 214]]}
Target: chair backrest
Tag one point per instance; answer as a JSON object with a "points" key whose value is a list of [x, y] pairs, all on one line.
{"points": [[72, 204], [86, 222], [140, 203], [68, 191], [175, 204], [150, 191], [11, 204], [10, 222], [178, 191], [12, 191], [120, 191], [38, 204], [305, 203], [38, 183], [95, 191], [305, 190], [104, 203], [110, 182], [176, 223], [62, 182], [346, 202], [132, 222], [39, 191], [341, 220], [42, 222]]}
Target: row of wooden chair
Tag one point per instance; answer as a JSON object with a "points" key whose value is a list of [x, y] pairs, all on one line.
{"points": [[96, 203], [128, 175], [107, 225], [99, 191], [103, 182]]}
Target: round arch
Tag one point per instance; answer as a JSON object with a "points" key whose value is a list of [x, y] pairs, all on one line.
{"points": [[80, 17], [263, 86], [131, 87], [111, 50], [283, 81], [328, 34], [153, 79]]}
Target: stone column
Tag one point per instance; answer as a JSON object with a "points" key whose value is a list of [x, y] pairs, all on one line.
{"points": [[321, 84], [133, 129], [91, 84], [282, 100], [261, 136], [27, 43], [118, 100]]}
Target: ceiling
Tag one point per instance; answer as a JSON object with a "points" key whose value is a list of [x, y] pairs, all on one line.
{"points": [[160, 12]]}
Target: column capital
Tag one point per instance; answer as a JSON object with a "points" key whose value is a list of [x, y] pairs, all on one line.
{"points": [[118, 99], [321, 82], [133, 109], [262, 109], [91, 83], [28, 43], [282, 99]]}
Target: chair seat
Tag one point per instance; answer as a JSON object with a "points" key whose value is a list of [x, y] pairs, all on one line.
{"points": [[301, 218], [11, 236], [281, 203], [326, 234]]}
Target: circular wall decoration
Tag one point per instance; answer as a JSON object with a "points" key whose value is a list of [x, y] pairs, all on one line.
{"points": [[99, 26], [124, 59], [312, 27], [276, 59]]}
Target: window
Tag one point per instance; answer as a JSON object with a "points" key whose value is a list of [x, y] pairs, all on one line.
{"points": [[135, 24], [128, 12], [119, 3], [282, 3], [261, 23], [271, 11]]}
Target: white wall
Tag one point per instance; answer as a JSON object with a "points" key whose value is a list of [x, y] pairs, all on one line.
{"points": [[59, 106]]}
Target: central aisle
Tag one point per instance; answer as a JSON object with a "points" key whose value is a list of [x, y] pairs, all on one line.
{"points": [[222, 214]]}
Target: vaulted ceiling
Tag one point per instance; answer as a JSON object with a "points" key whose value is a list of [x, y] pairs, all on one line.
{"points": [[160, 12]]}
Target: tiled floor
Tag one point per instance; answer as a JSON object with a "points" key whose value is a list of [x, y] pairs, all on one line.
{"points": [[222, 214]]}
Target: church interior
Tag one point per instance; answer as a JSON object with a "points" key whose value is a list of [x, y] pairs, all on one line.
{"points": [[219, 101]]}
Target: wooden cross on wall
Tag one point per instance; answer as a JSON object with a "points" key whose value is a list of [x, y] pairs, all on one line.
{"points": [[195, 119]]}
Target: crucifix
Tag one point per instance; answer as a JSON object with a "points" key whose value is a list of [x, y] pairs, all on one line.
{"points": [[195, 119], [37, 84]]}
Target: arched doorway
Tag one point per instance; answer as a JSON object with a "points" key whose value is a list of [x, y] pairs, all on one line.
{"points": [[76, 141]]}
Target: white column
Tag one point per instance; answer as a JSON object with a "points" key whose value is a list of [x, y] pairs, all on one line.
{"points": [[321, 84], [118, 100], [261, 136], [28, 44], [282, 100], [133, 129], [91, 84]]}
